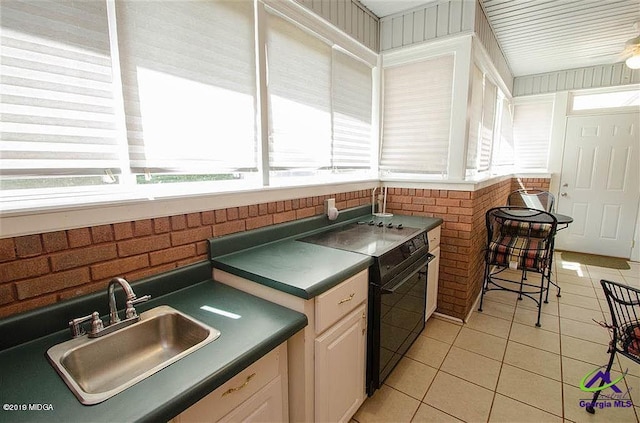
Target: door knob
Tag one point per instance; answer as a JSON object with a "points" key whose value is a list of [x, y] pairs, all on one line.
{"points": [[565, 185], [564, 194]]}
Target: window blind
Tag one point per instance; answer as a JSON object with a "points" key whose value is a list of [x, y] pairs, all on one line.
{"points": [[188, 75], [56, 89], [299, 92], [475, 118], [532, 134], [504, 155], [351, 111], [417, 116], [488, 122]]}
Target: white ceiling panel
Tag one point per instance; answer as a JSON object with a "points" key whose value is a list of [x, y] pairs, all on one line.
{"points": [[539, 36]]}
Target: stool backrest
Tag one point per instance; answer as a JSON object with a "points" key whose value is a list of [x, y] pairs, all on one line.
{"points": [[532, 198]]}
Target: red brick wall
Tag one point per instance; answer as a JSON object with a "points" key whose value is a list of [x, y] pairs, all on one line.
{"points": [[41, 269], [463, 236]]}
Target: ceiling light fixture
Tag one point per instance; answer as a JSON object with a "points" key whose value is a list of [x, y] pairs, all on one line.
{"points": [[632, 49]]}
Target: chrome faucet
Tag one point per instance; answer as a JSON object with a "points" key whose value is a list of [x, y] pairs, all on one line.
{"points": [[115, 323], [131, 297]]}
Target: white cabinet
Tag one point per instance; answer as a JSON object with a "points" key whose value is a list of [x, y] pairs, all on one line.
{"points": [[327, 359], [340, 368], [256, 394], [433, 272]]}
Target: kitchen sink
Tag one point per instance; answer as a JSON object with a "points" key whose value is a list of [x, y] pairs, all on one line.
{"points": [[96, 369]]}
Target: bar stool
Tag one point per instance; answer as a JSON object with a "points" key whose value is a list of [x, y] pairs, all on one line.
{"points": [[518, 238]]}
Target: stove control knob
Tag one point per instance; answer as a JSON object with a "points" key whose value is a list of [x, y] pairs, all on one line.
{"points": [[371, 223], [380, 224], [399, 226], [389, 225]]}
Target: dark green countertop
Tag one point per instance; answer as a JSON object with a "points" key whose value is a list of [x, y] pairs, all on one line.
{"points": [[26, 377], [299, 268]]}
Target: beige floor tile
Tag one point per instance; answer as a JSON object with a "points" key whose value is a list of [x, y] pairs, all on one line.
{"points": [[442, 330], [459, 398], [586, 291], [550, 308], [497, 309], [535, 337], [472, 367], [429, 351], [387, 405], [571, 269], [579, 301], [580, 313], [586, 331], [507, 410], [428, 414], [530, 388], [481, 343], [501, 297], [574, 400], [626, 364], [568, 278], [529, 317], [534, 360], [411, 377], [632, 281], [584, 350], [489, 324]]}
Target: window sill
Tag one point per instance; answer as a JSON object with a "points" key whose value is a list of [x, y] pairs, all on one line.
{"points": [[101, 209]]}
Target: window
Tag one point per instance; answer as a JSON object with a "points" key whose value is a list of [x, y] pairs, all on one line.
{"points": [[189, 99], [101, 97], [504, 154], [606, 100], [58, 108], [417, 117], [532, 133]]}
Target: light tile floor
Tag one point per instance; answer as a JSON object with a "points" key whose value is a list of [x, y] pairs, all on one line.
{"points": [[499, 367]]}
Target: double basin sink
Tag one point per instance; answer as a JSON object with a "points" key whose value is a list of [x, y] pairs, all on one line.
{"points": [[96, 369]]}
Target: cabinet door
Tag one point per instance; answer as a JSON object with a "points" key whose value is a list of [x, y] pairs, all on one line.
{"points": [[340, 368], [432, 284]]}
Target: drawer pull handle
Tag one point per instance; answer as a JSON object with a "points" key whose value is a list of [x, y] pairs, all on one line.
{"points": [[344, 300], [246, 382]]}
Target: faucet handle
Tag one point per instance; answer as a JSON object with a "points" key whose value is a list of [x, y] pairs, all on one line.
{"points": [[74, 325], [130, 310]]}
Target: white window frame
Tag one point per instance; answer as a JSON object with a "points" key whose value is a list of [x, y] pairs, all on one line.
{"points": [[161, 200]]}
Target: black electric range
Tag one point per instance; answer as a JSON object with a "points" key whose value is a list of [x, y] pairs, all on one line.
{"points": [[397, 287]]}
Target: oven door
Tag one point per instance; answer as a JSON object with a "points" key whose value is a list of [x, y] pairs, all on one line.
{"points": [[396, 319]]}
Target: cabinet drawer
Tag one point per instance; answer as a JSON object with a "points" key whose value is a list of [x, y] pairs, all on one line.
{"points": [[434, 237], [332, 305], [235, 391]]}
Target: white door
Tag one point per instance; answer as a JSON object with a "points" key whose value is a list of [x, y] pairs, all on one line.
{"points": [[599, 185]]}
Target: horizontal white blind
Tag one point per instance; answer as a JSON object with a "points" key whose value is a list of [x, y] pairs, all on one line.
{"points": [[488, 122], [532, 134], [475, 118], [351, 101], [417, 116], [56, 89], [188, 74], [299, 91]]}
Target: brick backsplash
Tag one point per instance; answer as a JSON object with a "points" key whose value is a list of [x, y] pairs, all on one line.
{"points": [[41, 269], [38, 270]]}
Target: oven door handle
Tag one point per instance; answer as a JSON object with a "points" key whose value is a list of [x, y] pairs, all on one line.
{"points": [[407, 273]]}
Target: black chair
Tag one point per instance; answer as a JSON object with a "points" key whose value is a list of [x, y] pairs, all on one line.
{"points": [[533, 199], [624, 305], [518, 238]]}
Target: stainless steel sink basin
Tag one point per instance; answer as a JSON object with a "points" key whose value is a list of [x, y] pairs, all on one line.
{"points": [[99, 368]]}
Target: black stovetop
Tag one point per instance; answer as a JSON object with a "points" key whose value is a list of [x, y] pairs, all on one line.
{"points": [[364, 238]]}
